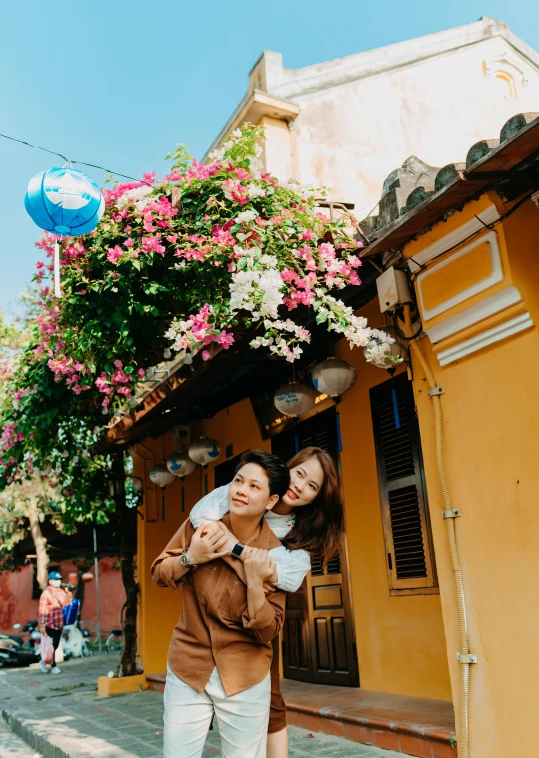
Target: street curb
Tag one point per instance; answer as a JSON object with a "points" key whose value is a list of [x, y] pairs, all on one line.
{"points": [[36, 741]]}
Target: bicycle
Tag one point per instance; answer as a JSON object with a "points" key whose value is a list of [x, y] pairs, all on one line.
{"points": [[89, 630], [114, 641]]}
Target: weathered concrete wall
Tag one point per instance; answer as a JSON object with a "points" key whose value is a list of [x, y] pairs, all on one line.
{"points": [[362, 116]]}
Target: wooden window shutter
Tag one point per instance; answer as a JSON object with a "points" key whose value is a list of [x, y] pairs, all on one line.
{"points": [[405, 516], [321, 430]]}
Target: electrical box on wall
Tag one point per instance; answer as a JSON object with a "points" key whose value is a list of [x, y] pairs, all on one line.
{"points": [[393, 289]]}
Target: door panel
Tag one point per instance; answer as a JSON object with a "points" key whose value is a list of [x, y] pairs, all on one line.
{"points": [[318, 639], [296, 637]]}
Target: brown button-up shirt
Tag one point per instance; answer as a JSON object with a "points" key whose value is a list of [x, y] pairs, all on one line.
{"points": [[214, 628]]}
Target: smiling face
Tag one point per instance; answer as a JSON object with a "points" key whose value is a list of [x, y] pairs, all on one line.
{"points": [[249, 493], [306, 480]]}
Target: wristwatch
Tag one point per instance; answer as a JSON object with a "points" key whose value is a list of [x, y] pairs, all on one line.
{"points": [[237, 550], [186, 561]]}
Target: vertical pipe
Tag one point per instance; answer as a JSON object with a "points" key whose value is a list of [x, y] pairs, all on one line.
{"points": [[97, 598]]}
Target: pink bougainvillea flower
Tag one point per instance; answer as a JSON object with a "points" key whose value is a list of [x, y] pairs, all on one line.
{"points": [[149, 177], [226, 339], [206, 355], [114, 253]]}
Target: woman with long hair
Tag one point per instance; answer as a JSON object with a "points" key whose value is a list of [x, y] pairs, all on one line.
{"points": [[309, 521]]}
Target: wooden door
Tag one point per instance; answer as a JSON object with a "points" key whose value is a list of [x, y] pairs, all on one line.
{"points": [[318, 638]]}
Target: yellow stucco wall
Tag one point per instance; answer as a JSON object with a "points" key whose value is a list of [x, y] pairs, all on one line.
{"points": [[400, 640], [491, 417]]}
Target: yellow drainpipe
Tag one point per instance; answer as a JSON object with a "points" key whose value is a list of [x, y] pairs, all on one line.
{"points": [[449, 514]]}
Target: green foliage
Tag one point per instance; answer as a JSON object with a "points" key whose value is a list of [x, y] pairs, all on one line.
{"points": [[155, 277]]}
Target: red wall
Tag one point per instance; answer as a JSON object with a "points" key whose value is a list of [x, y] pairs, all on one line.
{"points": [[17, 606]]}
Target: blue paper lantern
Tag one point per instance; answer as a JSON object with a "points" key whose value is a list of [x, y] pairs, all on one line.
{"points": [[66, 202]]}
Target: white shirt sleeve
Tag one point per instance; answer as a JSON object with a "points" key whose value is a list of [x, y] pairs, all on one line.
{"points": [[292, 567], [212, 507]]}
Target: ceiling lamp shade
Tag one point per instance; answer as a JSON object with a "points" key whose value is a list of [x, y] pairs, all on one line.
{"points": [[333, 377], [204, 451], [397, 352], [294, 399], [64, 201], [179, 464], [161, 476]]}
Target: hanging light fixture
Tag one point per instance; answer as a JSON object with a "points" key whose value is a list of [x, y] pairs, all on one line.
{"points": [[397, 352], [179, 464], [161, 476], [294, 399], [333, 377], [204, 451]]}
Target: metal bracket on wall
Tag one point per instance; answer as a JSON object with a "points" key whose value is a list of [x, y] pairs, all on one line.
{"points": [[451, 513], [466, 658], [437, 391]]}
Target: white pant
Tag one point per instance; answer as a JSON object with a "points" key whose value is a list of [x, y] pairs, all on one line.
{"points": [[242, 718]]}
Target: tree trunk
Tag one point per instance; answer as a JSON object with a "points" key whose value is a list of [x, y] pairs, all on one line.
{"points": [[127, 523], [40, 543]]}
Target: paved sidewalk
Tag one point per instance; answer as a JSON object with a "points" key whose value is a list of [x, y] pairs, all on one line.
{"points": [[64, 717], [12, 746]]}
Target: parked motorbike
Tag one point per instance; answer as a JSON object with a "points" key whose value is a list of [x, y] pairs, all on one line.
{"points": [[74, 642], [12, 651], [33, 635], [8, 648]]}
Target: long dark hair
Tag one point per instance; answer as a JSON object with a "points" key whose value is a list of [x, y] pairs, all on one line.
{"points": [[319, 526]]}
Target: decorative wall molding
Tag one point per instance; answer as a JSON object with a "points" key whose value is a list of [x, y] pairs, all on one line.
{"points": [[488, 216], [494, 277], [486, 338], [488, 307], [507, 61]]}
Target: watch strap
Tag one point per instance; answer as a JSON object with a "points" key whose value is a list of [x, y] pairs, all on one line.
{"points": [[187, 562]]}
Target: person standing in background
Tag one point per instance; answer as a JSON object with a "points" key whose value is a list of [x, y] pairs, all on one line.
{"points": [[51, 615]]}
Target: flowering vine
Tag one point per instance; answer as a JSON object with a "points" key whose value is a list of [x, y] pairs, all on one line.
{"points": [[180, 266]]}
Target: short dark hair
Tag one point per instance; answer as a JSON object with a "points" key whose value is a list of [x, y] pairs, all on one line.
{"points": [[274, 468]]}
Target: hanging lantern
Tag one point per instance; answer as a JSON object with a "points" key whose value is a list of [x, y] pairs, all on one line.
{"points": [[204, 451], [333, 377], [179, 464], [397, 352], [161, 476], [294, 399], [73, 578], [64, 201]]}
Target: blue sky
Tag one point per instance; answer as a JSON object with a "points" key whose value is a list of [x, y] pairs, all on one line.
{"points": [[119, 83]]}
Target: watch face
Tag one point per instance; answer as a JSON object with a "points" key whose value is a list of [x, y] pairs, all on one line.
{"points": [[237, 550], [184, 559]]}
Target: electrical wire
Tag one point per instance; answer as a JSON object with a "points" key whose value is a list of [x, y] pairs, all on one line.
{"points": [[68, 160]]}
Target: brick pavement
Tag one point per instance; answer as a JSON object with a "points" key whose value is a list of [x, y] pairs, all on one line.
{"points": [[64, 717]]}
